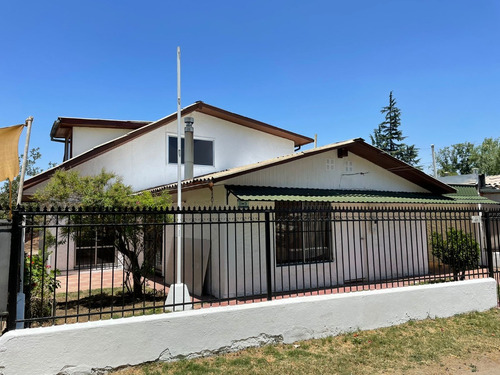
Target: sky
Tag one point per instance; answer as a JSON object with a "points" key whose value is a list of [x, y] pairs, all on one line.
{"points": [[311, 67]]}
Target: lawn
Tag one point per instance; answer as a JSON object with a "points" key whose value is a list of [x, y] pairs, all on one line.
{"points": [[462, 344], [102, 304]]}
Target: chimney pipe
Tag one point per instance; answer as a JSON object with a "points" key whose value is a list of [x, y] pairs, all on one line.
{"points": [[481, 181], [188, 148]]}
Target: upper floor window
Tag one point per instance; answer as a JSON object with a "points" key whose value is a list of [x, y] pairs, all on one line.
{"points": [[203, 151]]}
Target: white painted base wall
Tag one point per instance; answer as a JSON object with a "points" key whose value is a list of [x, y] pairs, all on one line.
{"points": [[5, 228], [86, 347]]}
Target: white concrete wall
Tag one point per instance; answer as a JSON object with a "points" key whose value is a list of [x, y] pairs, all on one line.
{"points": [[143, 161], [5, 236], [86, 138], [83, 347], [327, 171]]}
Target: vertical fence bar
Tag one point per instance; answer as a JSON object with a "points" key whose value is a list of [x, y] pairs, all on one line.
{"points": [[489, 249], [14, 268], [268, 257]]}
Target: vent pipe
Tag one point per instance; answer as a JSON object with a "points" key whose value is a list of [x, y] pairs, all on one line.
{"points": [[434, 162], [188, 148]]}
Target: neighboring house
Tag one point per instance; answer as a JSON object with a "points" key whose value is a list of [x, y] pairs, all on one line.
{"points": [[487, 186]]}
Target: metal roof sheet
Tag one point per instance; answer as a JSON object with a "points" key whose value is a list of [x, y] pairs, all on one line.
{"points": [[258, 193]]}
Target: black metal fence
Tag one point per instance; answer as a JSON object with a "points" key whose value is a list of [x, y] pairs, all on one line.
{"points": [[79, 265]]}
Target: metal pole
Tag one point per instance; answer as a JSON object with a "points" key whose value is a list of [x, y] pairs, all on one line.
{"points": [[21, 298], [178, 293], [28, 123], [179, 168], [269, 284], [489, 249]]}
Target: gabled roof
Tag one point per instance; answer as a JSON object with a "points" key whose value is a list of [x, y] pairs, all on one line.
{"points": [[357, 146], [199, 106], [63, 123]]}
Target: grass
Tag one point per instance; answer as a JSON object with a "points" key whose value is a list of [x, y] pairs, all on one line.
{"points": [[103, 304], [393, 350]]}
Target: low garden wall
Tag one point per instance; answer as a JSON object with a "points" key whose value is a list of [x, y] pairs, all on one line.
{"points": [[86, 348]]}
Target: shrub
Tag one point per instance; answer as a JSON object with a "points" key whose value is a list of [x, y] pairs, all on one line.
{"points": [[40, 283], [458, 249]]}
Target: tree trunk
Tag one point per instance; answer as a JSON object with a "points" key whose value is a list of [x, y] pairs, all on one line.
{"points": [[136, 275], [135, 268]]}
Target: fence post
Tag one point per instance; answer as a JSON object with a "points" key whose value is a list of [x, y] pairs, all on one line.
{"points": [[268, 257], [489, 250], [14, 269]]}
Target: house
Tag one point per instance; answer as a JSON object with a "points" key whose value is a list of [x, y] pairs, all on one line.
{"points": [[484, 186], [241, 162], [344, 174], [144, 154]]}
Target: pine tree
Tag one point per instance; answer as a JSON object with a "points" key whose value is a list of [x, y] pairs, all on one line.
{"points": [[389, 138]]}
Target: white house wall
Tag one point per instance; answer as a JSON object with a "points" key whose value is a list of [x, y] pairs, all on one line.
{"points": [[140, 163], [371, 249], [367, 251], [327, 171], [238, 256], [85, 138], [143, 163], [363, 249]]}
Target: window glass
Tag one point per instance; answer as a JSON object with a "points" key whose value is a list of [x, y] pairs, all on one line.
{"points": [[95, 249], [203, 151], [302, 235]]}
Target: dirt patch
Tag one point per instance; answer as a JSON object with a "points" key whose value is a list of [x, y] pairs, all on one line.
{"points": [[485, 364]]}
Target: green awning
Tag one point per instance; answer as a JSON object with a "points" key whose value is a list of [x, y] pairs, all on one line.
{"points": [[263, 193]]}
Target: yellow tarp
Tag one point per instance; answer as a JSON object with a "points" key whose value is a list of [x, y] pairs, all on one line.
{"points": [[9, 159]]}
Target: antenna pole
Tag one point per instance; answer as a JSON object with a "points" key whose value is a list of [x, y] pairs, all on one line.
{"points": [[179, 168], [178, 293]]}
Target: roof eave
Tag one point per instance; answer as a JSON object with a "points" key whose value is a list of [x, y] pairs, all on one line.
{"points": [[298, 139], [400, 168]]}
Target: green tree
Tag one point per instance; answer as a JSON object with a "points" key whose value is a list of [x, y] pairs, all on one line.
{"points": [[389, 137], [486, 156], [106, 191], [457, 249], [456, 159], [461, 158]]}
